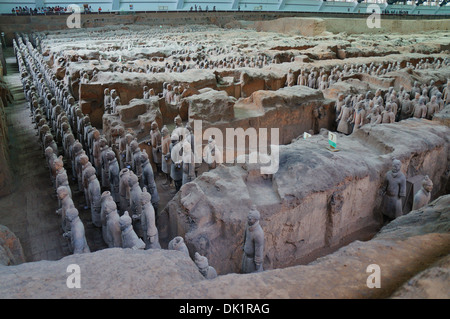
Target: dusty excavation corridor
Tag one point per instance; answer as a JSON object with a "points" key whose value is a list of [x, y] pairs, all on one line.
{"points": [[145, 137]]}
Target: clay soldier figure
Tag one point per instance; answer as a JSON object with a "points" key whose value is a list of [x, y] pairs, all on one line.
{"points": [[51, 158], [253, 257], [302, 78], [422, 197], [66, 203], [104, 149], [149, 230], [104, 199], [62, 180], [114, 178], [107, 101], [145, 93], [439, 101], [432, 107], [406, 107], [312, 80], [50, 142], [136, 165], [122, 145], [339, 103], [135, 201], [358, 117], [155, 138], [205, 269], [77, 151], [113, 232], [115, 101], [96, 152], [323, 85], [129, 237], [94, 193], [419, 109], [387, 115], [188, 163], [179, 129], [69, 141], [124, 190], [446, 93], [128, 152], [85, 164], [148, 180], [165, 153], [394, 190], [178, 244], [76, 234], [345, 117], [290, 78], [176, 171], [375, 117]]}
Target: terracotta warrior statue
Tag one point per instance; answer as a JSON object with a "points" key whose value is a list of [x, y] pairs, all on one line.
{"points": [[423, 196], [113, 232], [129, 237], [178, 244], [114, 175], [290, 78], [252, 260], [94, 193], [395, 191], [148, 180], [135, 201], [66, 204], [155, 138], [205, 269], [76, 234], [124, 190], [149, 230]]}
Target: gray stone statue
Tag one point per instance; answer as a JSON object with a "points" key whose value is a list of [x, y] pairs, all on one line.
{"points": [[178, 244], [113, 232], [422, 197], [148, 180], [124, 190], [395, 190], [114, 178], [150, 232], [205, 269], [66, 204], [76, 234], [94, 195], [135, 201], [253, 257], [129, 237]]}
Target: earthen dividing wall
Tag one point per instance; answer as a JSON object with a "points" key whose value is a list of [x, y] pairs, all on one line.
{"points": [[316, 202]]}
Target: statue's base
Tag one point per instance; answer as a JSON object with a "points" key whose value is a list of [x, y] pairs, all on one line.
{"points": [[332, 149]]}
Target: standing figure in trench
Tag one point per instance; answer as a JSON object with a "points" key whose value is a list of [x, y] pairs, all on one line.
{"points": [[394, 191], [253, 257]]}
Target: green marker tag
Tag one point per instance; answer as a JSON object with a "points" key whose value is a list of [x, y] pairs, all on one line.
{"points": [[332, 139]]}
